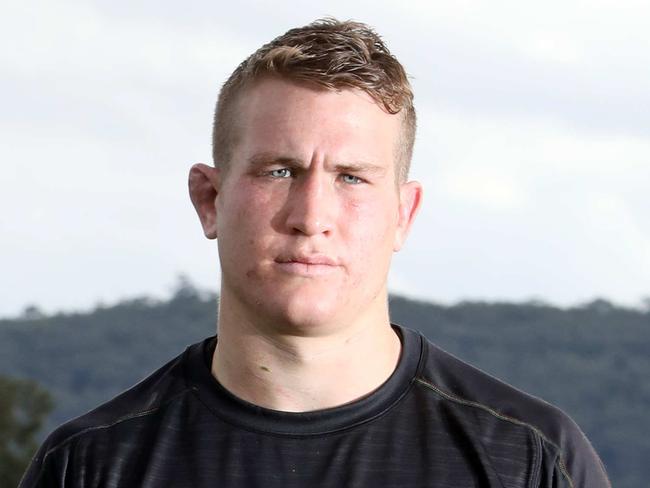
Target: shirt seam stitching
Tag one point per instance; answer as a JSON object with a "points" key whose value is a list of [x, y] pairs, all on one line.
{"points": [[104, 426], [537, 463], [507, 418]]}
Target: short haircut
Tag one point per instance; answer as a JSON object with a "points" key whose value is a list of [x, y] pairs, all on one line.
{"points": [[328, 54]]}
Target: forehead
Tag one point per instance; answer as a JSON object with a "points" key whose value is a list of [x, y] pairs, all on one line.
{"points": [[276, 114]]}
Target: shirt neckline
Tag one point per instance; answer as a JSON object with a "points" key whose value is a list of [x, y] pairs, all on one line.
{"points": [[241, 413]]}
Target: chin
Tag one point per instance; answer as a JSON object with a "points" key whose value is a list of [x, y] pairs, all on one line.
{"points": [[309, 320], [302, 307], [305, 316]]}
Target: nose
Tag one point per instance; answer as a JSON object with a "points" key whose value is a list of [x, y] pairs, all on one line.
{"points": [[311, 205]]}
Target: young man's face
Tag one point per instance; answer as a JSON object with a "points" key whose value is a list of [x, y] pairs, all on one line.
{"points": [[309, 212]]}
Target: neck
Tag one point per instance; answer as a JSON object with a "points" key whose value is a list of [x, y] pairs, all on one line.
{"points": [[297, 372]]}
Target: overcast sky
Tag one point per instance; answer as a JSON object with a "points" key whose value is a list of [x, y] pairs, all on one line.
{"points": [[533, 144]]}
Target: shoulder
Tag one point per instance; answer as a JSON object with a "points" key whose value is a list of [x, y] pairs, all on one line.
{"points": [[157, 389], [502, 407], [127, 412]]}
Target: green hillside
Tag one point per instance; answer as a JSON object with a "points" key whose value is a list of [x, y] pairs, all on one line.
{"points": [[592, 361]]}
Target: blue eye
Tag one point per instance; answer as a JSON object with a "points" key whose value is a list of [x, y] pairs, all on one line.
{"points": [[280, 173], [351, 180]]}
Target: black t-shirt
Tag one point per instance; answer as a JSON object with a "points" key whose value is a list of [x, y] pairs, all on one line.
{"points": [[436, 422]]}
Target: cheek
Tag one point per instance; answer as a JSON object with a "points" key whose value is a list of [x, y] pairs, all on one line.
{"points": [[370, 226], [251, 219], [371, 213], [246, 207]]}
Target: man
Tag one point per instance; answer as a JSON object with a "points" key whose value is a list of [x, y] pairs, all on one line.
{"points": [[308, 383]]}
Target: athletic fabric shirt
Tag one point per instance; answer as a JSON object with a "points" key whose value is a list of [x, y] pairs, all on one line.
{"points": [[436, 422]]}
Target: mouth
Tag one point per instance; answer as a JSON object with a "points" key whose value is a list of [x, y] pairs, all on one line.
{"points": [[307, 265], [312, 259]]}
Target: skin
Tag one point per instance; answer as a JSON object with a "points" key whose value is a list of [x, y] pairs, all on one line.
{"points": [[307, 217]]}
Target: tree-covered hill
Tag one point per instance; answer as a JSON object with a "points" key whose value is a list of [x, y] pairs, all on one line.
{"points": [[592, 361]]}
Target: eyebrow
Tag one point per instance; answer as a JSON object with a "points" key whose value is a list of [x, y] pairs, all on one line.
{"points": [[267, 159], [360, 167]]}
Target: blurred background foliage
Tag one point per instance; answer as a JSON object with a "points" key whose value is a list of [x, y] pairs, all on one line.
{"points": [[23, 407]]}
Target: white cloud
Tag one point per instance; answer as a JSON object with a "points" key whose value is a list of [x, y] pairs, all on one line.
{"points": [[522, 210]]}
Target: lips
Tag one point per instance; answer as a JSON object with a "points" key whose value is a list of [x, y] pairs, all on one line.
{"points": [[306, 264], [310, 259]]}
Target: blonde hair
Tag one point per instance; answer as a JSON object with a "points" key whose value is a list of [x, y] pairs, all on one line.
{"points": [[329, 54]]}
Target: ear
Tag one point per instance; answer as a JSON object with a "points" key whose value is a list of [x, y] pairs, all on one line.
{"points": [[204, 187], [410, 197]]}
